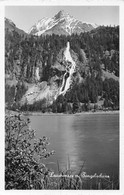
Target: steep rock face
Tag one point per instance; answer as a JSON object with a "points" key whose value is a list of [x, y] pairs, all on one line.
{"points": [[10, 26], [61, 23], [39, 92], [62, 78], [16, 73]]}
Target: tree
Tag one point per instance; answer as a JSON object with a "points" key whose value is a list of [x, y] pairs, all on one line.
{"points": [[75, 103], [54, 107]]}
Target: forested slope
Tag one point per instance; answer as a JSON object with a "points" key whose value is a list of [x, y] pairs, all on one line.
{"points": [[31, 60]]}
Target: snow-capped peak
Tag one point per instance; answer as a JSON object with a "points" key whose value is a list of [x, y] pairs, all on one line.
{"points": [[61, 23], [61, 14]]}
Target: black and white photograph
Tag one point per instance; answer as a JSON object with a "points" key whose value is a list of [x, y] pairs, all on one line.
{"points": [[62, 97]]}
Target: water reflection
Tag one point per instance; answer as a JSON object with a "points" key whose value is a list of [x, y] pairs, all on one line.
{"points": [[90, 138]]}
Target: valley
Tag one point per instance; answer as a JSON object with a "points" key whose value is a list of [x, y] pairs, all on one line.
{"points": [[62, 87], [62, 73]]}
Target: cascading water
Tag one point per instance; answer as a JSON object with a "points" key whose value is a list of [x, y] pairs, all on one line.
{"points": [[38, 92], [37, 74], [70, 69]]}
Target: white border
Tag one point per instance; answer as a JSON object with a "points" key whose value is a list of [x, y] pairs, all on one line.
{"points": [[119, 3]]}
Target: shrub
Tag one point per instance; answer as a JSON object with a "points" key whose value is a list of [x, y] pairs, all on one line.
{"points": [[23, 155]]}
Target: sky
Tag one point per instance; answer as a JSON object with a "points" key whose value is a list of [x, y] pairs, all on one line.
{"points": [[26, 16]]}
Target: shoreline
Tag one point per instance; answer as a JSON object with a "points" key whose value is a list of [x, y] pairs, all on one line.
{"points": [[62, 114]]}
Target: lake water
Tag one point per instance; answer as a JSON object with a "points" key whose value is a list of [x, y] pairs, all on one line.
{"points": [[93, 138]]}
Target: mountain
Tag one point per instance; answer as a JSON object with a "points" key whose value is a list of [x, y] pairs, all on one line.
{"points": [[10, 26], [62, 73], [61, 23]]}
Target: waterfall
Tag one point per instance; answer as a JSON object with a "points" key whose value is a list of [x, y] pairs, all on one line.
{"points": [[70, 69], [37, 74]]}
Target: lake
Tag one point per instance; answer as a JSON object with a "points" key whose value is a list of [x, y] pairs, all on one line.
{"points": [[90, 138]]}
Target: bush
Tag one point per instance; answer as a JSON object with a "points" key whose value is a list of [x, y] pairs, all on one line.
{"points": [[23, 155]]}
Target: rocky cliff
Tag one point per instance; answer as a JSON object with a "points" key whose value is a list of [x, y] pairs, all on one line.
{"points": [[64, 71]]}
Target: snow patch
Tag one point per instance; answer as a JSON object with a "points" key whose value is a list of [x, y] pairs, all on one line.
{"points": [[67, 22]]}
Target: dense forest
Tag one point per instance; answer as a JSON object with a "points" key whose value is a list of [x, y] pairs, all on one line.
{"points": [[101, 48]]}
